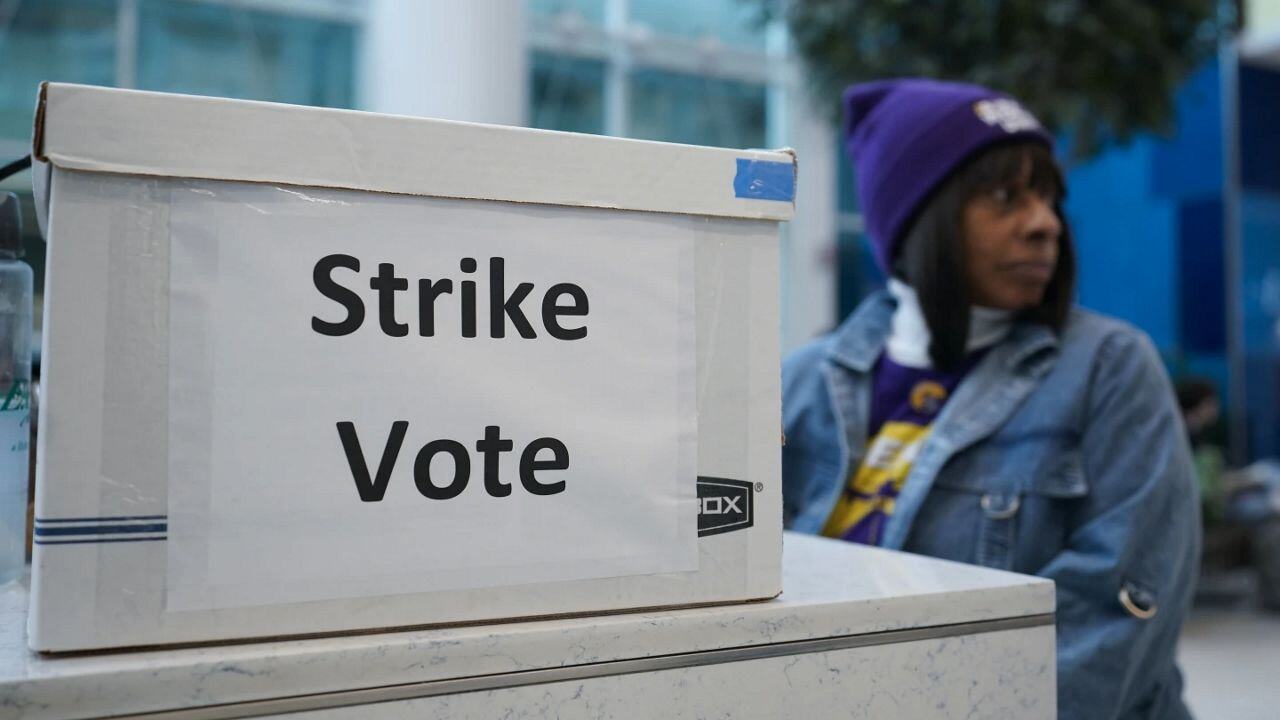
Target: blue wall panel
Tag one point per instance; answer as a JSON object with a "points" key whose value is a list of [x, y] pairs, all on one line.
{"points": [[1148, 220], [1259, 132], [1201, 277], [1260, 255], [1260, 251], [1126, 240], [1189, 163]]}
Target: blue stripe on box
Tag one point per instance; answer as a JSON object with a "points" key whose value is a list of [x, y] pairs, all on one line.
{"points": [[95, 541], [765, 180], [102, 529]]}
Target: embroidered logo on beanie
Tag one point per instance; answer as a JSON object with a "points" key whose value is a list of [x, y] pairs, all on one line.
{"points": [[1006, 113]]}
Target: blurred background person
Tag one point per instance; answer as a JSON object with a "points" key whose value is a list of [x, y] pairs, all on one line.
{"points": [[1241, 507]]}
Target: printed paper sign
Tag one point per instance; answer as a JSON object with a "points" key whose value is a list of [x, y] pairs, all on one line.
{"points": [[375, 395]]}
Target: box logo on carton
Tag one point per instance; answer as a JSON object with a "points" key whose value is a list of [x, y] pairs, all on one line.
{"points": [[724, 505]]}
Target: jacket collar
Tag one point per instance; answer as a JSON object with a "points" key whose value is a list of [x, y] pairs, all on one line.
{"points": [[1028, 348], [861, 337]]}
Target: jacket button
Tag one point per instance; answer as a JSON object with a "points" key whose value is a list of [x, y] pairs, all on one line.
{"points": [[1140, 603], [1000, 507]]}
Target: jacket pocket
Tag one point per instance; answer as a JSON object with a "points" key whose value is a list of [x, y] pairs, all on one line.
{"points": [[1024, 515], [1062, 479]]}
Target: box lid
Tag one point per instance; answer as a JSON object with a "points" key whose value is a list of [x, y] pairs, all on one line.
{"points": [[82, 127]]}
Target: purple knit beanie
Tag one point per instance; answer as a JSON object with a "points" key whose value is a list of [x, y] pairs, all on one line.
{"points": [[906, 136]]}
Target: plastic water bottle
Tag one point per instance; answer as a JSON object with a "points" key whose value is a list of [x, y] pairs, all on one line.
{"points": [[15, 390]]}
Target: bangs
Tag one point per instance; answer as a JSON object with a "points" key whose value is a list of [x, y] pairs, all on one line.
{"points": [[1014, 166]]}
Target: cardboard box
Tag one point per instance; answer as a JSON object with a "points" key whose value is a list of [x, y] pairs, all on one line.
{"points": [[314, 371]]}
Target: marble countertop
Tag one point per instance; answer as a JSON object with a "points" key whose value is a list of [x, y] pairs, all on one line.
{"points": [[832, 589]]}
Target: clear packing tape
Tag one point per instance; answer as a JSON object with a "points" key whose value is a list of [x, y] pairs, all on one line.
{"points": [[192, 409]]}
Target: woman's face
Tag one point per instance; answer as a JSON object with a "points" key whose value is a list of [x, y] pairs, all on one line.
{"points": [[1011, 238]]}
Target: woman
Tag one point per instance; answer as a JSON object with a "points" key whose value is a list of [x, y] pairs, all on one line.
{"points": [[969, 412]]}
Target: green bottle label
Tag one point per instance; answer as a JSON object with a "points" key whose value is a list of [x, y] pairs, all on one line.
{"points": [[18, 397]]}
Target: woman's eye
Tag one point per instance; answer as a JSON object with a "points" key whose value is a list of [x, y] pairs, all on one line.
{"points": [[1002, 196]]}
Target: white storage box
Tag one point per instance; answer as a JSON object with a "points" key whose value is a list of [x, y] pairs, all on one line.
{"points": [[312, 371]]}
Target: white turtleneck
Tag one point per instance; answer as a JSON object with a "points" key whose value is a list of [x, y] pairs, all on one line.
{"points": [[908, 343]]}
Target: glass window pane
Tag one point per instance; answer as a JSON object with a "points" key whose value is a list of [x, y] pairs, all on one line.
{"points": [[229, 51], [567, 93], [698, 110], [591, 11], [732, 22], [60, 40]]}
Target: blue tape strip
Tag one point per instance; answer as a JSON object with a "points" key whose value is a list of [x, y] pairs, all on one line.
{"points": [[765, 180]]}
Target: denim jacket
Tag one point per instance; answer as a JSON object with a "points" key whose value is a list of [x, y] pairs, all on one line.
{"points": [[1059, 455]]}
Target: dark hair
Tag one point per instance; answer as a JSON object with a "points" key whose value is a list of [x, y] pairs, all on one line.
{"points": [[1193, 391], [932, 258]]}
